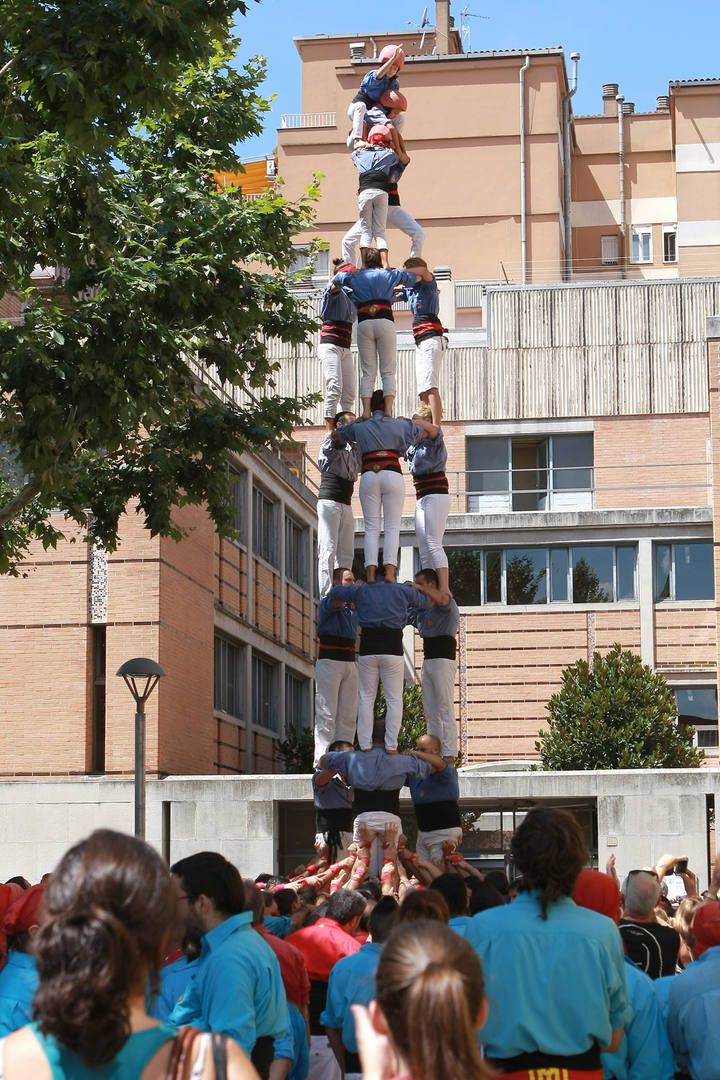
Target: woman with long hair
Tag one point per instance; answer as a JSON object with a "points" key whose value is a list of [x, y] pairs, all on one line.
{"points": [[109, 908], [429, 1003]]}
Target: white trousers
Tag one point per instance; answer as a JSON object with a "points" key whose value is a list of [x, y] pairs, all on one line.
{"points": [[372, 211], [397, 218], [437, 679], [336, 703], [356, 113], [390, 671], [382, 493], [428, 355], [429, 844], [431, 514], [336, 540], [377, 344], [323, 1063], [374, 824], [339, 374]]}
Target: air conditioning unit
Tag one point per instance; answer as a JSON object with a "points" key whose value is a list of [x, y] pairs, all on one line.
{"points": [[270, 168], [357, 50]]}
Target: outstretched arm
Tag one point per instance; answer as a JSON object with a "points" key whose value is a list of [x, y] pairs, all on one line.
{"points": [[435, 760]]}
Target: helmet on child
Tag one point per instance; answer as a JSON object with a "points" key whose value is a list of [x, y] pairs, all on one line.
{"points": [[389, 52], [393, 99], [379, 135]]}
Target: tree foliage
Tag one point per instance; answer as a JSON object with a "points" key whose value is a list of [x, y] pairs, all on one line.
{"points": [[115, 118], [616, 713]]}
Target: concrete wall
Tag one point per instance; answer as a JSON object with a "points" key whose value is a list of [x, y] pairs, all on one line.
{"points": [[645, 812]]}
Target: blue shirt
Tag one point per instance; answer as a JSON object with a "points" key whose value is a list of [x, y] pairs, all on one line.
{"points": [[645, 1052], [374, 283], [423, 297], [174, 978], [335, 795], [18, 983], [381, 603], [128, 1064], [380, 432], [351, 982], [693, 1016], [342, 622], [555, 985], [460, 923], [378, 160], [439, 620], [374, 770], [342, 461], [374, 87], [337, 306], [442, 786], [236, 988], [279, 925], [428, 455]]}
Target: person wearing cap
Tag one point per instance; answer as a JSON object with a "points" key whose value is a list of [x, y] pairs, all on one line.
{"points": [[382, 441], [693, 1000], [336, 670], [338, 313], [389, 112], [378, 166], [373, 292], [339, 467], [373, 86], [19, 977]]}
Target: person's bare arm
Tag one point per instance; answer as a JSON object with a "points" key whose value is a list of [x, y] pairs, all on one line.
{"points": [[322, 778], [438, 763], [335, 1039], [611, 869], [666, 863], [440, 598], [690, 882], [715, 876], [389, 64], [279, 1068], [614, 1043]]}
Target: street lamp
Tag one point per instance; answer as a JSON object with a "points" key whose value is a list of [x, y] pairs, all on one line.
{"points": [[141, 677]]}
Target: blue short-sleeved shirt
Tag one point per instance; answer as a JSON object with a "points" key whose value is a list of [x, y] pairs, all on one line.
{"points": [[428, 455], [423, 297], [441, 786], [693, 1012], [573, 959], [342, 622], [352, 982], [174, 978], [375, 87], [381, 603], [374, 770], [373, 283], [440, 620], [18, 983], [645, 1052], [236, 988], [337, 306]]}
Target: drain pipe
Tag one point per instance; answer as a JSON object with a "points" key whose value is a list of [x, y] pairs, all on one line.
{"points": [[567, 166], [621, 159], [523, 178]]}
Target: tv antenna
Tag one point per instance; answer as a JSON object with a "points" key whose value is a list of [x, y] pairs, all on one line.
{"points": [[465, 28], [422, 26]]}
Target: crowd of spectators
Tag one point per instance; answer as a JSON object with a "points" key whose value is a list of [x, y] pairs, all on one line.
{"points": [[116, 966]]}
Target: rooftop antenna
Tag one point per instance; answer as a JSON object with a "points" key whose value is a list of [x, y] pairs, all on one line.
{"points": [[424, 22], [465, 30]]}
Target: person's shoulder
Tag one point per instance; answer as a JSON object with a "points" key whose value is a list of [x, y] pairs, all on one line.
{"points": [[24, 1055]]}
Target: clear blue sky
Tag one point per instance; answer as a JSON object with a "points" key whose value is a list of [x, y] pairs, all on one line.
{"points": [[639, 44]]}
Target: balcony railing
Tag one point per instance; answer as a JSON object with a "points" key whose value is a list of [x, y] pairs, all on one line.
{"points": [[308, 120]]}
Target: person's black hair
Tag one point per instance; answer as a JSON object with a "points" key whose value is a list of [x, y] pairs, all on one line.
{"points": [[269, 879], [254, 901], [19, 880], [383, 918], [452, 887], [208, 873], [549, 850], [483, 897], [430, 577], [377, 400], [335, 747], [307, 894], [498, 880], [315, 913], [373, 259], [371, 889], [340, 416], [345, 905], [285, 899]]}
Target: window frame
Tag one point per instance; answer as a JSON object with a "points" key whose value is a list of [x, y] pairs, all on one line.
{"points": [[237, 481], [271, 667], [550, 494], [672, 576], [604, 242], [224, 645], [641, 231], [296, 560], [669, 230], [698, 728], [303, 685], [259, 527]]}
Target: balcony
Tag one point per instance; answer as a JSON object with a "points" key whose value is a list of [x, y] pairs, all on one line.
{"points": [[308, 120]]}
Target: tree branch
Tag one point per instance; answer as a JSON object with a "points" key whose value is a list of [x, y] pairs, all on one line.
{"points": [[23, 498]]}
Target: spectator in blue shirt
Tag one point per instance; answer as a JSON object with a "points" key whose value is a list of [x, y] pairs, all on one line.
{"points": [[237, 988], [694, 1000], [19, 977], [352, 982]]}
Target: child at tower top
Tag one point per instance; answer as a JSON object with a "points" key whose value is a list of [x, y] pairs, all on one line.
{"points": [[374, 87]]}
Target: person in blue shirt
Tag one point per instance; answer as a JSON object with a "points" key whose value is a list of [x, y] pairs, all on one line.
{"points": [[555, 972], [379, 166], [438, 627], [336, 670], [453, 889], [333, 800], [694, 1000], [339, 469], [337, 314], [427, 460], [435, 800], [375, 84], [236, 988], [352, 982], [423, 299], [19, 976]]}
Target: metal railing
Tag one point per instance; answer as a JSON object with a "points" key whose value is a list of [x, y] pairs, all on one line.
{"points": [[308, 120]]}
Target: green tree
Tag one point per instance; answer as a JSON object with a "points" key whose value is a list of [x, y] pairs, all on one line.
{"points": [[114, 119], [616, 713]]}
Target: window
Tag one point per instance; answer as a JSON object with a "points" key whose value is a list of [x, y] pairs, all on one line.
{"points": [[684, 571], [297, 703], [697, 705], [265, 693], [296, 552], [308, 266], [264, 526], [228, 678], [530, 473], [98, 639], [610, 250], [641, 241], [582, 574], [669, 238], [237, 480]]}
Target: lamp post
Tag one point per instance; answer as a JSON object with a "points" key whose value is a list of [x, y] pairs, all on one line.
{"points": [[141, 677]]}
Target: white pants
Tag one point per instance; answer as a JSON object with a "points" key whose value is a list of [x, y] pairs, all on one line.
{"points": [[372, 211], [336, 702], [356, 113], [382, 493], [339, 374], [323, 1063], [429, 844], [390, 671], [374, 824], [336, 540], [346, 840], [438, 690], [397, 218], [428, 355], [377, 344], [431, 514]]}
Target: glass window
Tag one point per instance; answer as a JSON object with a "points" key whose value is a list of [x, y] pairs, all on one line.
{"points": [[559, 573], [572, 462], [669, 235], [592, 574], [228, 678], [609, 250], [529, 474], [296, 552], [684, 571], [464, 566], [663, 565], [264, 526], [697, 705], [526, 570], [297, 703], [265, 692], [238, 487], [641, 244], [493, 577], [487, 462], [626, 559]]}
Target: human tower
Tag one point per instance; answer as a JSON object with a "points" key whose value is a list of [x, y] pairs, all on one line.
{"points": [[371, 445]]}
